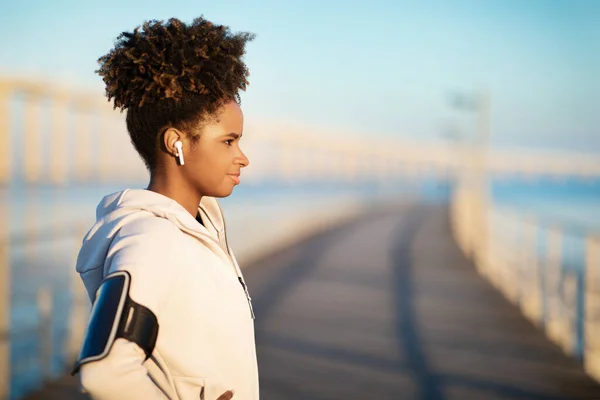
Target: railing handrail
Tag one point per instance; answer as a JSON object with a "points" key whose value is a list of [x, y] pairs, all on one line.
{"points": [[571, 228], [45, 233]]}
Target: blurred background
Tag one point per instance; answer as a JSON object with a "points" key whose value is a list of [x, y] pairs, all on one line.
{"points": [[490, 108]]}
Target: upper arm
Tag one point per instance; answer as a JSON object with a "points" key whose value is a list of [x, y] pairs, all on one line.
{"points": [[149, 250]]}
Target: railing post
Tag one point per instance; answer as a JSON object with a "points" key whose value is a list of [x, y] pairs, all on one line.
{"points": [[569, 314], [33, 143], [531, 295], [58, 140], [591, 355], [106, 135], [513, 268], [5, 294], [485, 245], [553, 278], [492, 253], [80, 304], [5, 135], [45, 306], [82, 149]]}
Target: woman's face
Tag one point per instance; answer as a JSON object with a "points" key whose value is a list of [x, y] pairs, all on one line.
{"points": [[212, 164]]}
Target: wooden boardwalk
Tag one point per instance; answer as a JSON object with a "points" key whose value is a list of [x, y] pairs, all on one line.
{"points": [[386, 307]]}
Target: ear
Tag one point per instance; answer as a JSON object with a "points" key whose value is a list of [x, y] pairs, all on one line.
{"points": [[171, 136]]}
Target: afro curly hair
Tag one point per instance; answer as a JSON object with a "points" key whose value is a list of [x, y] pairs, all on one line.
{"points": [[173, 75]]}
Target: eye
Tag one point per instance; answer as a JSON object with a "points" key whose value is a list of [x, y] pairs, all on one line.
{"points": [[229, 142]]}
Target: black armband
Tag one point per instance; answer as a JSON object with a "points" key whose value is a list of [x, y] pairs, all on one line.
{"points": [[115, 315]]}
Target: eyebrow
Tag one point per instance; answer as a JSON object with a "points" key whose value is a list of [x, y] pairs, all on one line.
{"points": [[233, 135]]}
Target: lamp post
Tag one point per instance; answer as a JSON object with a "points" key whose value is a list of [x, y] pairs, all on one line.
{"points": [[473, 183]]}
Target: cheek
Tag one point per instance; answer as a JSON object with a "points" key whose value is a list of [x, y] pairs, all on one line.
{"points": [[209, 169]]}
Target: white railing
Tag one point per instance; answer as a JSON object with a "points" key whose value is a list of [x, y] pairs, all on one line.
{"points": [[34, 339], [56, 136], [531, 264], [51, 134]]}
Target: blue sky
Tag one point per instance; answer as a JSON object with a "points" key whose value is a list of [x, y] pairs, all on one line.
{"points": [[375, 68]]}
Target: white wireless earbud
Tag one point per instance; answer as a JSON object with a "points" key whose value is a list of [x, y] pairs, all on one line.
{"points": [[179, 146]]}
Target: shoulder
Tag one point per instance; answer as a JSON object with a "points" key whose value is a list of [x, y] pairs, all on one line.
{"points": [[148, 239], [149, 225], [149, 249], [150, 230]]}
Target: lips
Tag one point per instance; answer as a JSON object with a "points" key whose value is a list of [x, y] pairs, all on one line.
{"points": [[235, 178]]}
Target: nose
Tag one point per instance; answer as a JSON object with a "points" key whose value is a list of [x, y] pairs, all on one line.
{"points": [[242, 160]]}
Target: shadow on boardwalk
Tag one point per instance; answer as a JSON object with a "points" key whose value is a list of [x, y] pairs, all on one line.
{"points": [[386, 307]]}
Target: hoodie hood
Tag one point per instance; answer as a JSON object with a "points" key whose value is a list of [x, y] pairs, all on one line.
{"points": [[121, 208]]}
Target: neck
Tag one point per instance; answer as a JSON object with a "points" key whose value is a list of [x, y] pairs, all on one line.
{"points": [[176, 189]]}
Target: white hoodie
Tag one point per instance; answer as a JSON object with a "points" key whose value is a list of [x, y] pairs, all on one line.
{"points": [[186, 274]]}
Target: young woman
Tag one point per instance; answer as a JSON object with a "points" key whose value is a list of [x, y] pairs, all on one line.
{"points": [[171, 316]]}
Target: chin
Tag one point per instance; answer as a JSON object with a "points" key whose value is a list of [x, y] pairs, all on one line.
{"points": [[221, 193]]}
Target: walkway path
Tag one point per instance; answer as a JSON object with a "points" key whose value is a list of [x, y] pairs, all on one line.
{"points": [[386, 307]]}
